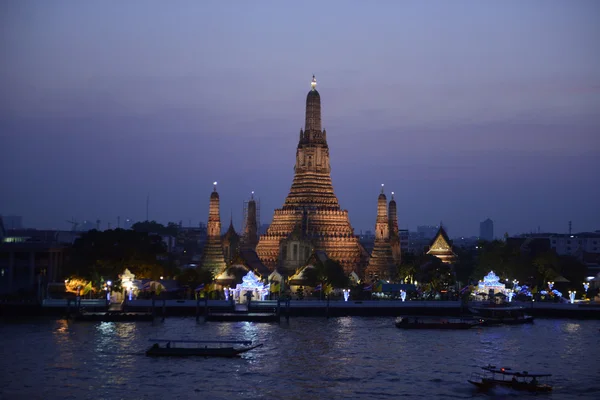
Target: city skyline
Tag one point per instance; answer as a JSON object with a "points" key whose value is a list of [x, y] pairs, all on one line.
{"points": [[460, 116]]}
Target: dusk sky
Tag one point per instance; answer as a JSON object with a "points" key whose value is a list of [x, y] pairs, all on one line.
{"points": [[465, 109]]}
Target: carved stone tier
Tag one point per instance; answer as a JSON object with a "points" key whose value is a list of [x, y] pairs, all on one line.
{"points": [[311, 218]]}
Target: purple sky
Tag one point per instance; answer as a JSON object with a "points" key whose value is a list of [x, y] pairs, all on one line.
{"points": [[466, 109]]}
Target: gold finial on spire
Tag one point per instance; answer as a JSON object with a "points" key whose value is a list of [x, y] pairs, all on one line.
{"points": [[214, 186], [382, 187], [313, 83], [252, 195], [392, 195]]}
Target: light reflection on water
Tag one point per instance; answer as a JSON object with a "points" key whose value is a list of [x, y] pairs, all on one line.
{"points": [[321, 358]]}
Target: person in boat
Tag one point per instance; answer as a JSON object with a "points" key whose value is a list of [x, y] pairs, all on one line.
{"points": [[534, 381], [168, 345], [514, 380]]}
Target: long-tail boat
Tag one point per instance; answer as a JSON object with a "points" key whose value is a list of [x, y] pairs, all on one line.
{"points": [[199, 348]]}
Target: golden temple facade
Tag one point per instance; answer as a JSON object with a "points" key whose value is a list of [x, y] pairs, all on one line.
{"points": [[311, 218]]}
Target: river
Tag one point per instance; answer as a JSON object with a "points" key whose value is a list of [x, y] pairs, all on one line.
{"points": [[309, 358]]}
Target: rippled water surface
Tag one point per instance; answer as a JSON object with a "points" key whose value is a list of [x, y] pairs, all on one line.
{"points": [[309, 358]]}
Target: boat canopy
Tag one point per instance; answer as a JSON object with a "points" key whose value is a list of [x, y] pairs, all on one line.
{"points": [[508, 371], [244, 342]]}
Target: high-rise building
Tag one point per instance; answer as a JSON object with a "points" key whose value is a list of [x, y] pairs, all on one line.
{"points": [[486, 230], [311, 218]]}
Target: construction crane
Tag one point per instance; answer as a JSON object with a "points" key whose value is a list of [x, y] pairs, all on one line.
{"points": [[74, 224]]}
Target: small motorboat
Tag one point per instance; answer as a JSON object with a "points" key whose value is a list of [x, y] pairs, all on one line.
{"points": [[436, 323], [199, 348], [505, 377]]}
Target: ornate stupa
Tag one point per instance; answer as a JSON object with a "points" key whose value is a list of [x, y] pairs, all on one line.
{"points": [[441, 247], [394, 231], [212, 257], [311, 218], [381, 264], [250, 235]]}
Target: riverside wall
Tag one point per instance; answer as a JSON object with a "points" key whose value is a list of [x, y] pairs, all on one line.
{"points": [[295, 308]]}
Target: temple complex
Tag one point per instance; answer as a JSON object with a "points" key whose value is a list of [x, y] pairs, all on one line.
{"points": [[441, 247], [250, 235], [212, 257], [394, 231], [381, 264], [311, 218]]}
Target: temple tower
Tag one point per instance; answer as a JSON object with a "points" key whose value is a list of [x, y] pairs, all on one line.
{"points": [[381, 264], [394, 231], [311, 218], [212, 257], [250, 235]]}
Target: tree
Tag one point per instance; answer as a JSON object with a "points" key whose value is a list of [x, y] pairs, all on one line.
{"points": [[465, 265], [329, 272], [172, 229], [98, 254], [547, 267], [437, 274], [205, 275], [189, 277], [408, 268], [573, 270], [335, 275]]}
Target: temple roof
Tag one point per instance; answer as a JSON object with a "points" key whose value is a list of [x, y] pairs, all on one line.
{"points": [[441, 247], [230, 231], [441, 241], [253, 262]]}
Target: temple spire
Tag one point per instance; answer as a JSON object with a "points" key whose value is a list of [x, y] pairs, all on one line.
{"points": [[394, 231], [381, 263], [313, 109], [212, 257]]}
